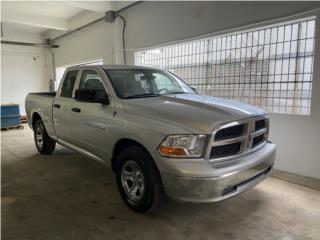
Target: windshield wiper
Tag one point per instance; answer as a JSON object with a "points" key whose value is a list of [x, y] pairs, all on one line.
{"points": [[143, 95]]}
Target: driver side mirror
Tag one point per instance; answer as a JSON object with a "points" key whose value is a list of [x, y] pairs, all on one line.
{"points": [[92, 95]]}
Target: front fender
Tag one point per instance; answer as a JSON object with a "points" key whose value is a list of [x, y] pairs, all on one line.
{"points": [[147, 132]]}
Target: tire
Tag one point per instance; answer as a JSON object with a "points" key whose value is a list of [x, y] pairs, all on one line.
{"points": [[148, 194], [44, 144]]}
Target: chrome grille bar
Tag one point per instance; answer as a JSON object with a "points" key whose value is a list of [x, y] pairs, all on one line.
{"points": [[229, 141], [259, 132]]}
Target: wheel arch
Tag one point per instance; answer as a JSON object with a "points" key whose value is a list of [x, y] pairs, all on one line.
{"points": [[35, 117], [123, 143]]}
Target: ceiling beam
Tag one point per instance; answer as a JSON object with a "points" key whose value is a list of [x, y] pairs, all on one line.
{"points": [[34, 20]]}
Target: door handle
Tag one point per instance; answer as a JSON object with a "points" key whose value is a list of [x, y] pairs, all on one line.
{"points": [[56, 105], [77, 110]]}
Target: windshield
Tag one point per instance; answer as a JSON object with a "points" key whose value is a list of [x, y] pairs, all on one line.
{"points": [[141, 83]]}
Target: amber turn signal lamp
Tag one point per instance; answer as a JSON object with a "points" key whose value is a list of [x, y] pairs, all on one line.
{"points": [[169, 151]]}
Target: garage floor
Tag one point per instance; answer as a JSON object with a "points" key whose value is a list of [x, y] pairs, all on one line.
{"points": [[69, 196]]}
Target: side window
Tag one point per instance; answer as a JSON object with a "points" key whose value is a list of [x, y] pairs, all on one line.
{"points": [[90, 80], [68, 84]]}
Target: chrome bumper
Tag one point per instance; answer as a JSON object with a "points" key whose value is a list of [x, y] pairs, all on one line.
{"points": [[219, 187]]}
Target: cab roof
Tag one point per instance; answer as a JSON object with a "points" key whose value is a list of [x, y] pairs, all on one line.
{"points": [[110, 67]]}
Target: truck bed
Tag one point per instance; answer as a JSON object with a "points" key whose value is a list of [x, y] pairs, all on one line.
{"points": [[41, 103]]}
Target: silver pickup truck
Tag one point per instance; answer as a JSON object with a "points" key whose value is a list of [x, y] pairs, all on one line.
{"points": [[159, 136]]}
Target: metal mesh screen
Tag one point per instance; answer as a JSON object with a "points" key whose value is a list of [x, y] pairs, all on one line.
{"points": [[271, 67]]}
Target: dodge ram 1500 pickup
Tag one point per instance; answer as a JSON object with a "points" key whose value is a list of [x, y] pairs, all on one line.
{"points": [[160, 137]]}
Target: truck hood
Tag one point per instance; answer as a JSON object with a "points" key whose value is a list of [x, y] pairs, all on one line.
{"points": [[192, 112]]}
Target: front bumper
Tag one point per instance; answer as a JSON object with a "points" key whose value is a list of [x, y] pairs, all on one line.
{"points": [[226, 181]]}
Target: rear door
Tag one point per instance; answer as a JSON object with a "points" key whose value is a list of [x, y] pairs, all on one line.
{"points": [[62, 105], [90, 122]]}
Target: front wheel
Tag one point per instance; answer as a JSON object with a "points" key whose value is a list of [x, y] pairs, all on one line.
{"points": [[44, 144], [138, 179]]}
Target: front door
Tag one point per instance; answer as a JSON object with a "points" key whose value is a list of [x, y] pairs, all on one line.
{"points": [[90, 121]]}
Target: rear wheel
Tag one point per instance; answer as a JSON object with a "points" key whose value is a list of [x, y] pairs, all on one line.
{"points": [[44, 144], [138, 179]]}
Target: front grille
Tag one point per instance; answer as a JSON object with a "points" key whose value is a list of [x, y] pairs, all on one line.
{"points": [[257, 140], [225, 150], [241, 137], [260, 124], [230, 132]]}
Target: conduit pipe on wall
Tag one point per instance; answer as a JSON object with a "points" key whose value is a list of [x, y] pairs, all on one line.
{"points": [[95, 21], [29, 44], [53, 66]]}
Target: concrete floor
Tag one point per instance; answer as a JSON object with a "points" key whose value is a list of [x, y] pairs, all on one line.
{"points": [[69, 196]]}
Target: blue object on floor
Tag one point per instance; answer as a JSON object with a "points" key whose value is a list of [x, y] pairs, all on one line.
{"points": [[10, 116]]}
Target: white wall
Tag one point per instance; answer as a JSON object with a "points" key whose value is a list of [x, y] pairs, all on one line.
{"points": [[89, 44], [23, 69], [297, 137], [154, 23]]}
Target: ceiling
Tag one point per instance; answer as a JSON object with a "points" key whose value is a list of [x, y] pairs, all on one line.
{"points": [[41, 16]]}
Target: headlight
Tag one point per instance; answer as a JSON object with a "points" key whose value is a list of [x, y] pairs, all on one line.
{"points": [[183, 146]]}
